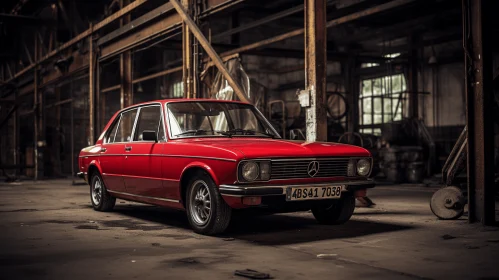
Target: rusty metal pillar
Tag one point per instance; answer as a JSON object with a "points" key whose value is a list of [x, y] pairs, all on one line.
{"points": [[91, 92], [353, 92], [414, 41], [477, 36], [39, 142], [315, 69], [187, 53], [126, 66], [209, 50]]}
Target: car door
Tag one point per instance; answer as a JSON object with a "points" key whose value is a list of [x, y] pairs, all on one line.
{"points": [[111, 158], [112, 154], [143, 158]]}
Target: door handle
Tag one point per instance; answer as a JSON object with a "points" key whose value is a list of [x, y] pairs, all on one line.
{"points": [[102, 150], [128, 149]]}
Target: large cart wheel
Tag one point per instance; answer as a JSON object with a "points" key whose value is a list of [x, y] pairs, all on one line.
{"points": [[448, 203]]}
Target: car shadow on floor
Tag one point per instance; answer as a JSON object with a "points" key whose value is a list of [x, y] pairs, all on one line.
{"points": [[277, 229]]}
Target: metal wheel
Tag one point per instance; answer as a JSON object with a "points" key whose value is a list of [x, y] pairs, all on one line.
{"points": [[448, 203], [97, 192], [200, 206]]}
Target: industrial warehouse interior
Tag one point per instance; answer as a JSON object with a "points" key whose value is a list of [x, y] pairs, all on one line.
{"points": [[249, 139]]}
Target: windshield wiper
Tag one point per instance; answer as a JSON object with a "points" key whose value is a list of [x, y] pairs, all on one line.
{"points": [[233, 132], [193, 131]]}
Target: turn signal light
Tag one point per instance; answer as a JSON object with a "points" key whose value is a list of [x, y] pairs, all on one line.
{"points": [[252, 200]]}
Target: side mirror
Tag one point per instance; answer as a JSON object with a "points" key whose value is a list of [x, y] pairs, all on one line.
{"points": [[149, 135]]}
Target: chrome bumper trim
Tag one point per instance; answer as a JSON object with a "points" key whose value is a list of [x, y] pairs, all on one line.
{"points": [[259, 190]]}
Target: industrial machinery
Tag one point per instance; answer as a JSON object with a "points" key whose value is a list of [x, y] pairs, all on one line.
{"points": [[448, 203]]}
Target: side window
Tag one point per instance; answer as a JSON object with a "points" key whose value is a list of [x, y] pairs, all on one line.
{"points": [[161, 131], [124, 133], [149, 119], [112, 131]]}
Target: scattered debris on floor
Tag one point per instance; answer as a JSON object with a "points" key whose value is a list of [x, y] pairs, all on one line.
{"points": [[447, 237], [252, 274], [228, 239], [327, 256], [156, 244]]}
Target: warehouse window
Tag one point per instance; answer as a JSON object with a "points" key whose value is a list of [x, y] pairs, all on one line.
{"points": [[382, 100], [178, 90]]}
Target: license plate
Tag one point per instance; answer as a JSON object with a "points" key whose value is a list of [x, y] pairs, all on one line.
{"points": [[309, 193]]}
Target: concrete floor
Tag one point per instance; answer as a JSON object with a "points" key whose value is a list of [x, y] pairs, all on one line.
{"points": [[49, 231]]}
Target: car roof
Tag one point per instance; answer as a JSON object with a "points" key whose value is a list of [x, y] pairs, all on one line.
{"points": [[176, 100]]}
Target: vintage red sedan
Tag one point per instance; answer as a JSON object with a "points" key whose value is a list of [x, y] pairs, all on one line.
{"points": [[212, 157]]}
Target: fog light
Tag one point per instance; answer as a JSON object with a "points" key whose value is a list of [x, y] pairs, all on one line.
{"points": [[252, 200]]}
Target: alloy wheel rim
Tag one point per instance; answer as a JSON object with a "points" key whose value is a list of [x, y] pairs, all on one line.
{"points": [[97, 192], [200, 206]]}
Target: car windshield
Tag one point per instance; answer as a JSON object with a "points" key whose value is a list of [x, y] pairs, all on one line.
{"points": [[217, 119]]}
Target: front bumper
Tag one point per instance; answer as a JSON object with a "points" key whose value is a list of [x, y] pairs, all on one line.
{"points": [[269, 190]]}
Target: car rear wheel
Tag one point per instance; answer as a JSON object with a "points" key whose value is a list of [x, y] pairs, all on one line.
{"points": [[206, 210], [100, 197], [336, 213]]}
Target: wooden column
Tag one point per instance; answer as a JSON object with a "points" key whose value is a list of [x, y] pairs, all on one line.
{"points": [[315, 69], [477, 15]]}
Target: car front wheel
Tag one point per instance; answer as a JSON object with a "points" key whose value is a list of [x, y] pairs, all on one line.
{"points": [[206, 210], [337, 212], [101, 199]]}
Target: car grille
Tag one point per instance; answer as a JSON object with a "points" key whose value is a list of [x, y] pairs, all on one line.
{"points": [[296, 169]]}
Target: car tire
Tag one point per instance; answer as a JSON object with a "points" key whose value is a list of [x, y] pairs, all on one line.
{"points": [[336, 213], [200, 190], [99, 196]]}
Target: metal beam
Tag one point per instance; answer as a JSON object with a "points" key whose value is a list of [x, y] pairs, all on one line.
{"points": [[331, 23], [414, 43], [209, 49], [259, 22], [315, 69], [477, 34], [142, 20]]}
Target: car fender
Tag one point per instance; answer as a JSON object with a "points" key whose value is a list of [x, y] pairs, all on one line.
{"points": [[204, 166], [94, 163]]}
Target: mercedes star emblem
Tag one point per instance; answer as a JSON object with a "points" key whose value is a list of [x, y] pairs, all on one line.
{"points": [[313, 168]]}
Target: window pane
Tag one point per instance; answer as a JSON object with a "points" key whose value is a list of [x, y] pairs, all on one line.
{"points": [[388, 118], [377, 105], [367, 88], [378, 119], [377, 87], [367, 119], [377, 131], [112, 131], [161, 131], [387, 105], [149, 118], [396, 86], [367, 103], [124, 133]]}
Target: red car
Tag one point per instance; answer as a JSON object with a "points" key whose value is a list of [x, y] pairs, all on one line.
{"points": [[212, 157]]}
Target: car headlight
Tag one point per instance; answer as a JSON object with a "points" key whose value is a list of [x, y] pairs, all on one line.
{"points": [[250, 171], [363, 167]]}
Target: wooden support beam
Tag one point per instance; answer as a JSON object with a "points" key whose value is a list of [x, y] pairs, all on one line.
{"points": [[331, 23], [91, 84], [315, 69], [209, 49], [187, 54], [126, 10], [477, 35]]}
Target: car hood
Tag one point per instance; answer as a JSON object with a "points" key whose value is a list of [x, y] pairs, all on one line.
{"points": [[278, 148]]}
